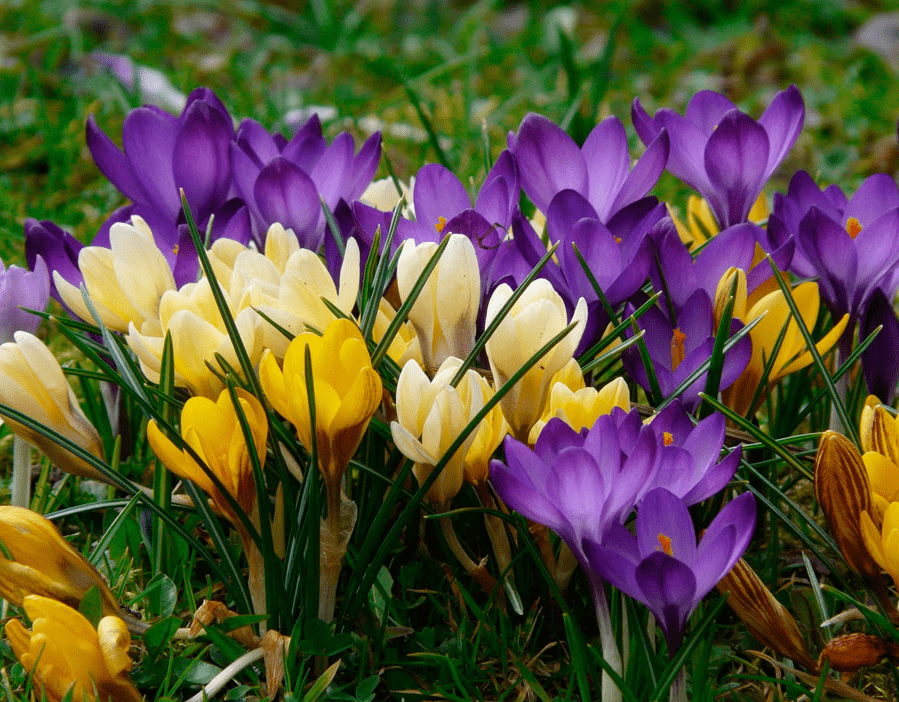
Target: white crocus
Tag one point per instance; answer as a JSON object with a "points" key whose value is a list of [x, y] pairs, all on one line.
{"points": [[430, 416], [32, 382], [125, 282], [535, 318], [445, 313]]}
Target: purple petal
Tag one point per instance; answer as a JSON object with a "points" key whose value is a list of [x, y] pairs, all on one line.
{"points": [[832, 253], [334, 170], [256, 142], [438, 193], [287, 195], [715, 479], [706, 109], [740, 514], [645, 174], [879, 361], [876, 195], [663, 515], [57, 247], [364, 166], [600, 252], [608, 163], [614, 559], [148, 138], [782, 121], [548, 160], [566, 208], [555, 438], [485, 236], [736, 158], [111, 161], [518, 493], [668, 588], [201, 160], [735, 246], [500, 192]]}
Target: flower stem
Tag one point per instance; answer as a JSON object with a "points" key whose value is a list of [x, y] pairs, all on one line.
{"points": [[678, 690], [610, 652], [214, 686], [476, 570], [21, 472]]}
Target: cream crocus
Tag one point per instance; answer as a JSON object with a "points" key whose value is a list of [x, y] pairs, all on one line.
{"points": [[535, 318], [431, 415], [125, 282], [32, 382], [198, 334], [38, 561], [446, 309], [773, 314], [65, 654]]}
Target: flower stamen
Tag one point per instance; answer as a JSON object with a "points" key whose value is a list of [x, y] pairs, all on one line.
{"points": [[853, 227], [677, 348]]}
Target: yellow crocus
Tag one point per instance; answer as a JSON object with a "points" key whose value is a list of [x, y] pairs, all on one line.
{"points": [[879, 431], [347, 392], [773, 314], [701, 225], [41, 562], [32, 382], [883, 543], [488, 436], [66, 654], [213, 431]]}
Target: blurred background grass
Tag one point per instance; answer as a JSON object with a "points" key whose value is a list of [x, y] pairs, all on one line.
{"points": [[474, 69]]}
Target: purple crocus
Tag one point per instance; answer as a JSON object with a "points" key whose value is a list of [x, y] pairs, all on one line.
{"points": [[20, 288], [722, 152], [46, 241], [285, 181], [599, 171], [678, 349], [851, 244], [662, 566]]}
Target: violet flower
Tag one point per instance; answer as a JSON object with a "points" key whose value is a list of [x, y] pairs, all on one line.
{"points": [[662, 566], [678, 349], [722, 152], [285, 181], [852, 245], [20, 288], [600, 171], [46, 241]]}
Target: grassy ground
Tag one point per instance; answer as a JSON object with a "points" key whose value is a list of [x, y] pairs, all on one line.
{"points": [[445, 82]]}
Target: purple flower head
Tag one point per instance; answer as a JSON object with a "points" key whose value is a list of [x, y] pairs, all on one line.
{"points": [[880, 363], [442, 206], [662, 566], [851, 245], [600, 171], [284, 181], [722, 152], [677, 350], [46, 241], [22, 288], [690, 463], [577, 484]]}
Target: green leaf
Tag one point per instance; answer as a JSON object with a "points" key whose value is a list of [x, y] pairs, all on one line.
{"points": [[92, 606]]}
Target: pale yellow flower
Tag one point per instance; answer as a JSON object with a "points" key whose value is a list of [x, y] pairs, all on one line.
{"points": [[32, 382]]}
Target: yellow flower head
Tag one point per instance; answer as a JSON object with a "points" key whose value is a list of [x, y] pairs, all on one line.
{"points": [[883, 543], [213, 430], [44, 563], [879, 431], [64, 652], [347, 392]]}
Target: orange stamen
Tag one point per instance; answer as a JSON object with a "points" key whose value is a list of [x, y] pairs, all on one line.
{"points": [[666, 544], [667, 438], [677, 347], [441, 223], [853, 227], [175, 250]]}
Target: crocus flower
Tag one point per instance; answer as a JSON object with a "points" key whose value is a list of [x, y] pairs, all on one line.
{"points": [[125, 281], [679, 350], [38, 561], [286, 181], [722, 152], [68, 657], [535, 318], [32, 382], [347, 392], [879, 432], [20, 288], [198, 332], [446, 309], [213, 430], [662, 566], [850, 244], [600, 171], [844, 493], [774, 314], [431, 415], [46, 241]]}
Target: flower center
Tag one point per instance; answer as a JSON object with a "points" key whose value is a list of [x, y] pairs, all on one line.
{"points": [[677, 347], [175, 249], [667, 438], [853, 227], [441, 223], [665, 542]]}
